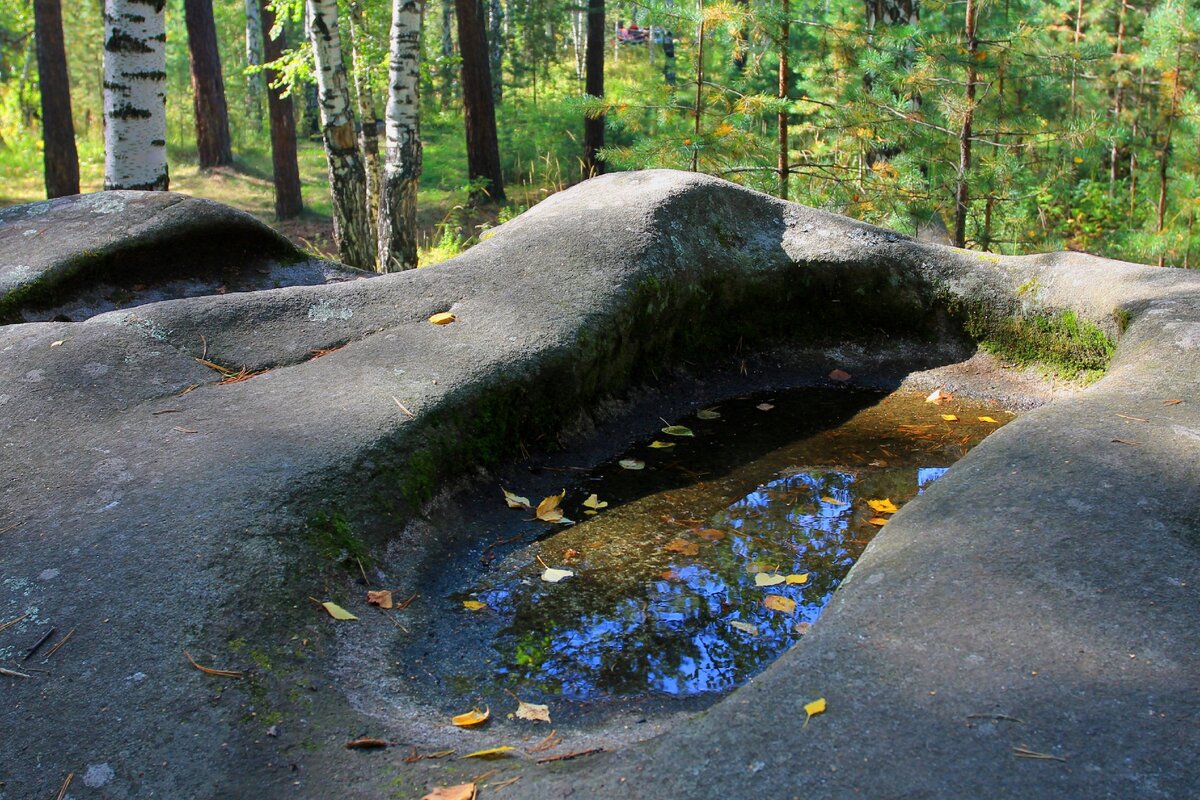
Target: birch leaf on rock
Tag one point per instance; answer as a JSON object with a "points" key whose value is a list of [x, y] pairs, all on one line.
{"points": [[474, 605], [462, 791], [491, 752], [337, 612], [444, 318], [552, 575], [381, 598], [471, 718], [533, 712]]}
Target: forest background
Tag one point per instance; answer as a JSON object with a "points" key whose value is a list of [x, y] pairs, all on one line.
{"points": [[1003, 125]]}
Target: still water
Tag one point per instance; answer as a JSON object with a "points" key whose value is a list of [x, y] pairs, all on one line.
{"points": [[710, 560]]}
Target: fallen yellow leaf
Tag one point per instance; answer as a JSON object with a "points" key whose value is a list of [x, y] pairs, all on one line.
{"points": [[444, 318], [797, 580], [490, 752], [812, 709], [533, 711], [711, 534], [949, 418], [989, 419], [474, 605], [548, 510], [594, 502], [884, 506], [833, 501], [768, 579], [337, 612], [515, 500], [552, 575], [745, 627], [938, 396], [777, 602], [878, 521], [381, 598], [678, 430], [462, 791], [683, 547], [657, 445], [471, 718]]}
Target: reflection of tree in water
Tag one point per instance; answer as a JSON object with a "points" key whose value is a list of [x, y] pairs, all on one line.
{"points": [[653, 621]]}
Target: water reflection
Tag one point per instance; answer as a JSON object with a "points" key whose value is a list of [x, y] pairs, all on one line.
{"points": [[692, 588]]}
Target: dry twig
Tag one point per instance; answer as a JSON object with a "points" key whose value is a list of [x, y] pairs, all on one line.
{"points": [[220, 673]]}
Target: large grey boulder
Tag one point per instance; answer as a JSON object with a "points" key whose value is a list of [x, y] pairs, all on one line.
{"points": [[1043, 594], [74, 257]]}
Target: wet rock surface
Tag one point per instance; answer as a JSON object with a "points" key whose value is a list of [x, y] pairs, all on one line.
{"points": [[1042, 594]]}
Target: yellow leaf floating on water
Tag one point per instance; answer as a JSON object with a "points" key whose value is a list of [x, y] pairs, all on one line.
{"points": [[548, 510], [444, 318], [768, 579], [632, 463], [474, 605], [708, 413], [462, 791], [949, 418], [989, 419], [797, 580], [683, 547], [337, 612], [878, 521], [744, 627], [710, 534], [884, 506], [552, 575], [833, 501], [777, 602], [812, 709], [471, 718], [533, 711], [515, 500], [491, 752], [594, 502], [678, 430], [657, 445]]}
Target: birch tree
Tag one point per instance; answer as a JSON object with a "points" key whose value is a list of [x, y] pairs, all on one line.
{"points": [[135, 95], [402, 169], [347, 177]]}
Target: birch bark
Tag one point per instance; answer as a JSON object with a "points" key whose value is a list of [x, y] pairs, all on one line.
{"points": [[347, 177], [256, 84], [135, 95], [402, 167]]}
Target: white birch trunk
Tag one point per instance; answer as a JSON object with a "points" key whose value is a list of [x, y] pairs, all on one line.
{"points": [[256, 85], [347, 177], [135, 95], [578, 34], [402, 168]]}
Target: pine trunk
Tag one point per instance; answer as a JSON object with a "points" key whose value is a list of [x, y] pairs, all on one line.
{"points": [[593, 127], [60, 158], [483, 149], [135, 100], [288, 203], [208, 86], [255, 83], [402, 168], [347, 177], [447, 69], [496, 48], [961, 194], [783, 168]]}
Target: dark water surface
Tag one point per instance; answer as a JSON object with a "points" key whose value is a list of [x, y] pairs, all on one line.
{"points": [[706, 564]]}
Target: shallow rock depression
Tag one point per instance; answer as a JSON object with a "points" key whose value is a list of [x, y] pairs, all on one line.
{"points": [[181, 476]]}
